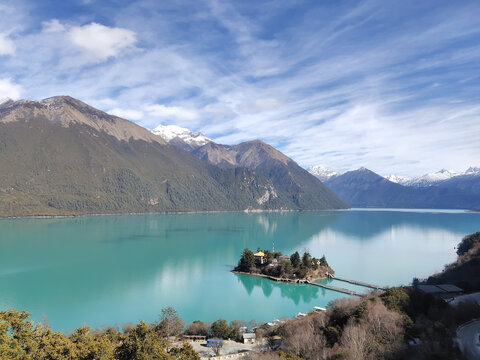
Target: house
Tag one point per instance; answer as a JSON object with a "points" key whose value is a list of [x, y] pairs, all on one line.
{"points": [[259, 257], [249, 338], [442, 291]]}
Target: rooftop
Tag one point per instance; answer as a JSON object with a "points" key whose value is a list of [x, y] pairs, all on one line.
{"points": [[439, 289]]}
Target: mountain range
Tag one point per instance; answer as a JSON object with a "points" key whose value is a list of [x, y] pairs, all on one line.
{"points": [[60, 156], [364, 188], [436, 178], [359, 188]]}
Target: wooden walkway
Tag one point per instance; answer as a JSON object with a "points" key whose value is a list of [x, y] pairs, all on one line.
{"points": [[334, 288], [325, 286], [376, 287]]}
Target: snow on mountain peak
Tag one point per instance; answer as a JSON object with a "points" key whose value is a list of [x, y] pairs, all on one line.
{"points": [[397, 179], [472, 171], [322, 172], [170, 132], [432, 178], [4, 101]]}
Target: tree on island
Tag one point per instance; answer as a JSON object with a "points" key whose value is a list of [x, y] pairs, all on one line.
{"points": [[269, 256], [295, 259], [247, 261], [307, 260], [286, 268], [323, 261]]}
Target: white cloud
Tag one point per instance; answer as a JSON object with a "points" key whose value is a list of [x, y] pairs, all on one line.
{"points": [[172, 112], [8, 89], [52, 26], [101, 42], [129, 114], [319, 90], [6, 45], [260, 105]]}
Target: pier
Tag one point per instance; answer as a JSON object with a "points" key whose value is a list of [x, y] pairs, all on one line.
{"points": [[334, 288], [354, 282]]}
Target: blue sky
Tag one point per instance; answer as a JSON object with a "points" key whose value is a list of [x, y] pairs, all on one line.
{"points": [[390, 85]]}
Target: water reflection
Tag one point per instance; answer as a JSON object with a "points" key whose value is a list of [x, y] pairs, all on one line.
{"points": [[295, 292]]}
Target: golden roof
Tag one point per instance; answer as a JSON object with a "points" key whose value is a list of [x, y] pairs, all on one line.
{"points": [[260, 253]]}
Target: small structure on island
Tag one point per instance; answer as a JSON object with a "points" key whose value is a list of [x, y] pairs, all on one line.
{"points": [[249, 338], [259, 257]]}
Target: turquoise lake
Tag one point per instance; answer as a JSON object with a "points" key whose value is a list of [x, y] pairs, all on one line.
{"points": [[111, 270]]}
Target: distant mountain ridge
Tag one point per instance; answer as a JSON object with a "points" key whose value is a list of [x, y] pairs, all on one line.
{"points": [[364, 188], [436, 178], [60, 156]]}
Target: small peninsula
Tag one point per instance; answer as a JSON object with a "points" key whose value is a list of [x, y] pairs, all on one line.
{"points": [[279, 267]]}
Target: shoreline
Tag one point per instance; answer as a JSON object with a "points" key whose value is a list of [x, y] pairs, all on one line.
{"points": [[246, 211]]}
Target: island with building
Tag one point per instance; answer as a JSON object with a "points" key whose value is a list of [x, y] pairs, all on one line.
{"points": [[279, 267]]}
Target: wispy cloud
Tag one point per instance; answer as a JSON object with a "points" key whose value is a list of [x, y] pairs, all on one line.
{"points": [[390, 86]]}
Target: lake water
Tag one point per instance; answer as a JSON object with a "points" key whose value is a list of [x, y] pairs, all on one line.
{"points": [[114, 269]]}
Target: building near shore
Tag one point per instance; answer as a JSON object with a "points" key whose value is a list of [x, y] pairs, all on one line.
{"points": [[249, 338]]}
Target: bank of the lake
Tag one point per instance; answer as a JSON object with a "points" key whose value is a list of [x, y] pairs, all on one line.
{"points": [[115, 269]]}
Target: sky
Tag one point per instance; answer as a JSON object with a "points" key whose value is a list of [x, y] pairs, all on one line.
{"points": [[390, 85]]}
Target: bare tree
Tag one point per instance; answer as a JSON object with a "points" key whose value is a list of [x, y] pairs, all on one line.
{"points": [[355, 341], [170, 323], [304, 338], [217, 346]]}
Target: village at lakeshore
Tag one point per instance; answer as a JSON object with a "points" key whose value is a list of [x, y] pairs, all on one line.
{"points": [[107, 270]]}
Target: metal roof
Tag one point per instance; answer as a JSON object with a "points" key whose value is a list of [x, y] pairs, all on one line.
{"points": [[450, 288], [439, 289]]}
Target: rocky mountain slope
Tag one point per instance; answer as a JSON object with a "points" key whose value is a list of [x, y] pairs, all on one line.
{"points": [[302, 190], [60, 156]]}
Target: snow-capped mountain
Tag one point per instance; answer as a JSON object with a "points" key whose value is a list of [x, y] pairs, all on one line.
{"points": [[432, 178], [171, 132], [397, 179], [322, 172], [4, 101], [472, 171]]}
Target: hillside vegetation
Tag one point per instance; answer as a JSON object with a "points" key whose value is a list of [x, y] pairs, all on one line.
{"points": [[60, 156], [465, 271]]}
